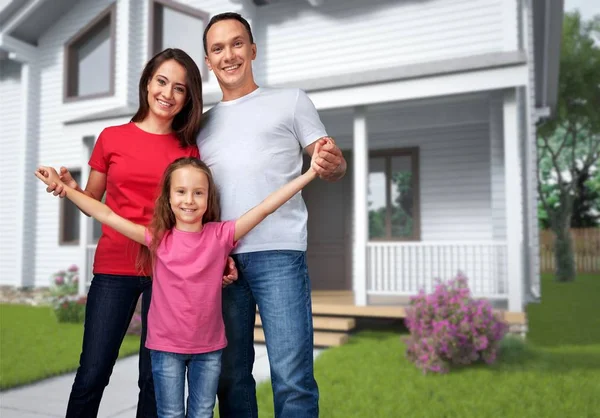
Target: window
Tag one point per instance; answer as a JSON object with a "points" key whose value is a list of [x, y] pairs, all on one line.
{"points": [[70, 217], [174, 25], [393, 195], [90, 59]]}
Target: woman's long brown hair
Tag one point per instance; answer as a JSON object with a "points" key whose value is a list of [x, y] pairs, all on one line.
{"points": [[163, 220]]}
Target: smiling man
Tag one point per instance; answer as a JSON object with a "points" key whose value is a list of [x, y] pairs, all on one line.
{"points": [[253, 142]]}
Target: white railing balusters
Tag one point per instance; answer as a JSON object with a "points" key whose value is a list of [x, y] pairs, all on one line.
{"points": [[401, 268]]}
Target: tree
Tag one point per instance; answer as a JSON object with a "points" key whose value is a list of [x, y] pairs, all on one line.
{"points": [[569, 143]]}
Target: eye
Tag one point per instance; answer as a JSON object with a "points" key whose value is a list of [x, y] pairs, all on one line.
{"points": [[217, 49], [199, 193], [161, 82], [180, 90], [238, 43]]}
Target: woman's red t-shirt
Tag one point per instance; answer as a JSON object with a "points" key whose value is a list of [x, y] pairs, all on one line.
{"points": [[134, 162]]}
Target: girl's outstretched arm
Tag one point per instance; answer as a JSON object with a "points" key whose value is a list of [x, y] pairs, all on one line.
{"points": [[93, 207], [274, 201]]}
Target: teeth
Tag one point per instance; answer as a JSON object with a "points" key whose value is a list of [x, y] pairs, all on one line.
{"points": [[233, 67], [164, 103]]}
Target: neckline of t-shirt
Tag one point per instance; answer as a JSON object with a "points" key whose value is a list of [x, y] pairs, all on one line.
{"points": [[241, 99], [137, 128], [179, 231]]}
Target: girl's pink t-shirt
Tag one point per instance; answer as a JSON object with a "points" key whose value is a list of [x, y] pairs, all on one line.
{"points": [[185, 313]]}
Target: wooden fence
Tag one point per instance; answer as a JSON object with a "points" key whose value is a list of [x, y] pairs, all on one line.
{"points": [[586, 248]]}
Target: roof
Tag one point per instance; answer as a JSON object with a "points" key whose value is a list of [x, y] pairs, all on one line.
{"points": [[28, 20]]}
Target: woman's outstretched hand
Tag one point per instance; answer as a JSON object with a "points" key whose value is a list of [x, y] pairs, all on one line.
{"points": [[49, 176]]}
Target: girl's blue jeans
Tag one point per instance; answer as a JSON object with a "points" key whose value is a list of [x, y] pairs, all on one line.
{"points": [[169, 372]]}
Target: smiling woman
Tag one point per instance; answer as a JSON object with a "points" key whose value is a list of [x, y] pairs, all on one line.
{"points": [[127, 163]]}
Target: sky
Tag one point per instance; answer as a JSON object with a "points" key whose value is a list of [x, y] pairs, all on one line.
{"points": [[587, 8]]}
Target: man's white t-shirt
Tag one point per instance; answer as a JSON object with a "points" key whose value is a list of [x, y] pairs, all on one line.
{"points": [[253, 145]]}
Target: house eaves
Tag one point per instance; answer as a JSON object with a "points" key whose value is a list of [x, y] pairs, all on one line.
{"points": [[403, 72], [26, 21], [547, 32]]}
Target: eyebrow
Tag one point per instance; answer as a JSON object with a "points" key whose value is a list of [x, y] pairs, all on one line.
{"points": [[167, 78], [229, 40]]}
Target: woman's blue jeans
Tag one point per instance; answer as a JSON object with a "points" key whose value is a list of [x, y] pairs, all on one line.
{"points": [[169, 371], [278, 282], [110, 306]]}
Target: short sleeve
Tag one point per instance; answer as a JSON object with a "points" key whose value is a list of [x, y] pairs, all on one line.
{"points": [[225, 235], [307, 124], [98, 160]]}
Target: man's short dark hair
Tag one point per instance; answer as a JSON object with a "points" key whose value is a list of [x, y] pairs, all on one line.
{"points": [[226, 16]]}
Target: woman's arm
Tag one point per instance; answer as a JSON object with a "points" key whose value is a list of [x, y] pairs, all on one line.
{"points": [[93, 207], [275, 200]]}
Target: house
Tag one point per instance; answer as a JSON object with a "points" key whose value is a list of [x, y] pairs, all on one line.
{"points": [[434, 103]]}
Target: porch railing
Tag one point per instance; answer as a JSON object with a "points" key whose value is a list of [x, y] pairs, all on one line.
{"points": [[401, 268]]}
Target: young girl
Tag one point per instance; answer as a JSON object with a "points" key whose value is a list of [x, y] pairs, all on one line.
{"points": [[189, 249]]}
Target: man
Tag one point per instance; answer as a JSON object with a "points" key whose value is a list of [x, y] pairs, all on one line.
{"points": [[252, 141]]}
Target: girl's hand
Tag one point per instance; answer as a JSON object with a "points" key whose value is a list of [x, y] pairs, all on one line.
{"points": [[57, 189], [327, 160], [48, 175], [315, 156]]}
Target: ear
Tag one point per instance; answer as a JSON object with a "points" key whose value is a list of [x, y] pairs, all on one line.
{"points": [[253, 51], [208, 63]]}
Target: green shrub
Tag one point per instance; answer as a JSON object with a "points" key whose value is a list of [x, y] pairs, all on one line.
{"points": [[70, 309]]}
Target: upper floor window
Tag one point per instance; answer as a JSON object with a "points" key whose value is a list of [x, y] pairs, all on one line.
{"points": [[393, 195], [90, 59], [175, 25]]}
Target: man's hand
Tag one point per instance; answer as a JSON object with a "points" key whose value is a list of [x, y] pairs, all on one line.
{"points": [[231, 274], [329, 163]]}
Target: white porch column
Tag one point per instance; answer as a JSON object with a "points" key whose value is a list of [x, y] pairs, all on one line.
{"points": [[514, 200], [85, 222], [361, 225]]}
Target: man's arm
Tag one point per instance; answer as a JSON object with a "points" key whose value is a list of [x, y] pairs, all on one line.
{"points": [[329, 164]]}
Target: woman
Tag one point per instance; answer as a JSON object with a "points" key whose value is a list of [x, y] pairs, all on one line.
{"points": [[127, 163]]}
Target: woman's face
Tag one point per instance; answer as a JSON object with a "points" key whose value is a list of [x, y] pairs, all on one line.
{"points": [[167, 90]]}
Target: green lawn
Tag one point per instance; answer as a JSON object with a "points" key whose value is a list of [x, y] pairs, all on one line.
{"points": [[556, 374], [33, 345]]}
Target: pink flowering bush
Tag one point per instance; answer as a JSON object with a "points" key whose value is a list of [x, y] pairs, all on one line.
{"points": [[448, 327], [68, 306], [65, 282]]}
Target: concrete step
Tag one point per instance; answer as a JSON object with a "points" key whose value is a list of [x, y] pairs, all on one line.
{"points": [[321, 338], [326, 323]]}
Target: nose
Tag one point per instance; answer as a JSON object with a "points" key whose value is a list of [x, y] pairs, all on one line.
{"points": [[229, 53], [189, 198], [167, 92]]}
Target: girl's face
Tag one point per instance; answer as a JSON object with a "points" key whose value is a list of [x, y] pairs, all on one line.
{"points": [[188, 197], [167, 90]]}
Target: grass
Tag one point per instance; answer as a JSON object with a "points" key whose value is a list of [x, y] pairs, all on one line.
{"points": [[34, 346], [555, 374]]}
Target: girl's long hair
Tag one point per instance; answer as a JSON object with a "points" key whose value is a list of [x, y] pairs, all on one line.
{"points": [[186, 123], [163, 220]]}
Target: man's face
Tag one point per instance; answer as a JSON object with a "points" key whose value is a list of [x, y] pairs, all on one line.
{"points": [[230, 54]]}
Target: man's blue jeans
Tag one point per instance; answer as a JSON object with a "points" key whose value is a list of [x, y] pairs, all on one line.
{"points": [[169, 370], [110, 305], [278, 282]]}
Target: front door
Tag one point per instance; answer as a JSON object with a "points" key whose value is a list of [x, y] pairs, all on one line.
{"points": [[330, 232]]}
